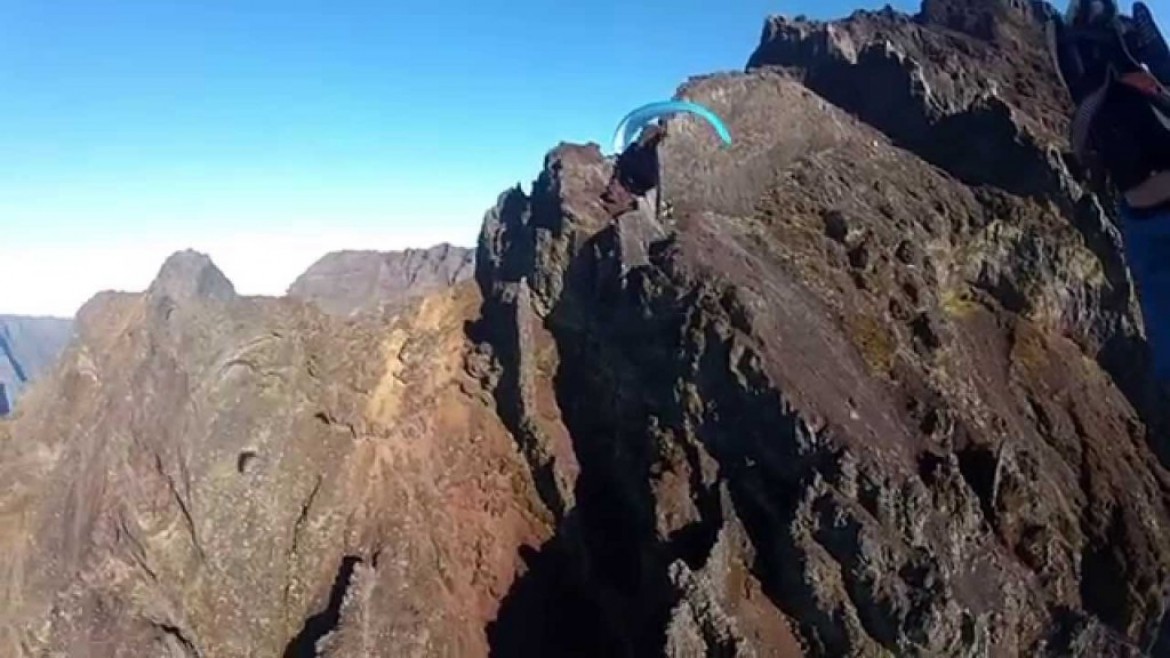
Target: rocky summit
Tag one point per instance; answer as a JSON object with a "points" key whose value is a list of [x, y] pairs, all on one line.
{"points": [[869, 382]]}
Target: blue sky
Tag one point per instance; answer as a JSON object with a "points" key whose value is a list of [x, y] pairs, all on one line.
{"points": [[254, 129]]}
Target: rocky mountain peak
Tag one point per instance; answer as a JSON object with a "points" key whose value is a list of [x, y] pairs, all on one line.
{"points": [[990, 20], [189, 275]]}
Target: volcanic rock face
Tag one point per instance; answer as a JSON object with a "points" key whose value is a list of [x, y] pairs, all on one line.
{"points": [[28, 347], [349, 282], [839, 392], [213, 475]]}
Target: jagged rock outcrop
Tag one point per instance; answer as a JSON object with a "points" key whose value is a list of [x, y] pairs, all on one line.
{"points": [[990, 112], [29, 346], [909, 374], [834, 391], [350, 282], [187, 276]]}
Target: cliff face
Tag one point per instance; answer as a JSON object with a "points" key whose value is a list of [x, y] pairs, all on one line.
{"points": [[29, 346], [840, 389], [211, 475], [349, 282], [850, 393]]}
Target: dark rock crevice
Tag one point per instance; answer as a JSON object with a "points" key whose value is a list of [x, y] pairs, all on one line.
{"points": [[184, 506], [604, 411], [695, 541], [1101, 570], [174, 634], [316, 627], [979, 464], [551, 610]]}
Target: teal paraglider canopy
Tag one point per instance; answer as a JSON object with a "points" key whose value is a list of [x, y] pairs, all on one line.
{"points": [[632, 124]]}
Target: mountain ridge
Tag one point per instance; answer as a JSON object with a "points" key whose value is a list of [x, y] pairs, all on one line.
{"points": [[845, 395], [355, 281]]}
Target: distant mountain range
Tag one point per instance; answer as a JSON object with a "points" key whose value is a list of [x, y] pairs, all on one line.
{"points": [[340, 283], [349, 282], [28, 346]]}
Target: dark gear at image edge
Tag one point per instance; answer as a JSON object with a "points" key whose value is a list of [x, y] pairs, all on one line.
{"points": [[1117, 70]]}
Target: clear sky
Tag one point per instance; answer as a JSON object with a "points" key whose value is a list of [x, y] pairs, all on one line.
{"points": [[268, 132]]}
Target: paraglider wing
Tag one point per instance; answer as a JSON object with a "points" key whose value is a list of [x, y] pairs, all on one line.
{"points": [[633, 122]]}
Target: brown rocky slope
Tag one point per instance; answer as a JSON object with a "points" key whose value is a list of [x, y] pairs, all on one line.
{"points": [[858, 391]]}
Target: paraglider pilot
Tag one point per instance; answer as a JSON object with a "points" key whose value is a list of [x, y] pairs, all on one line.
{"points": [[637, 170], [638, 166]]}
